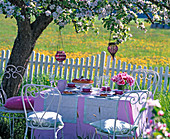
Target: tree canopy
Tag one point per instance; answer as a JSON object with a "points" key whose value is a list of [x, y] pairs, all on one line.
{"points": [[115, 14]]}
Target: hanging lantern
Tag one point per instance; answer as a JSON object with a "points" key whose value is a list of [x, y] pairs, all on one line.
{"points": [[112, 48], [60, 57]]}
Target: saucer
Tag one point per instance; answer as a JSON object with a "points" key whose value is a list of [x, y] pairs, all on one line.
{"points": [[71, 93], [71, 86], [86, 91], [100, 95]]}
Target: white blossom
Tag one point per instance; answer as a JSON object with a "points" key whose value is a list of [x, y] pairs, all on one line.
{"points": [[52, 7], [55, 15], [48, 13]]}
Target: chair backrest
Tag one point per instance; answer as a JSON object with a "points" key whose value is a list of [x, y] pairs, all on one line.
{"points": [[13, 72], [135, 102], [40, 92], [145, 79]]}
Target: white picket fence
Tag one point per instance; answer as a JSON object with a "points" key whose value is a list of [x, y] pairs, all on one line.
{"points": [[88, 67]]}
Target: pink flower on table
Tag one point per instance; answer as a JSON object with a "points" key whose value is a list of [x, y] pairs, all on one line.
{"points": [[153, 103], [121, 82], [160, 113], [123, 78], [130, 80], [114, 79]]}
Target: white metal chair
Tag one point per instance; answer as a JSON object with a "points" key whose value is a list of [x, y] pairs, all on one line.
{"points": [[117, 128], [46, 119], [145, 79], [10, 72]]}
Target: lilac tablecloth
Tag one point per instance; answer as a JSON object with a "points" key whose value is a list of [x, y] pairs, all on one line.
{"points": [[79, 110]]}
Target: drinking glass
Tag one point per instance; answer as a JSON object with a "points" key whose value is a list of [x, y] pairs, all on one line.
{"points": [[106, 81], [51, 78], [98, 81]]}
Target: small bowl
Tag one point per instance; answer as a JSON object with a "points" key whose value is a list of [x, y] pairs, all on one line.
{"points": [[86, 89], [118, 92], [104, 88], [71, 85]]}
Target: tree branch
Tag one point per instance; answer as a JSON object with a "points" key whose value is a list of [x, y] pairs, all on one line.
{"points": [[145, 13], [158, 3], [39, 25], [18, 3], [74, 22]]}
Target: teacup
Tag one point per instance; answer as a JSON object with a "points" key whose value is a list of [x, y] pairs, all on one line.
{"points": [[71, 85], [104, 88], [86, 89], [118, 92]]}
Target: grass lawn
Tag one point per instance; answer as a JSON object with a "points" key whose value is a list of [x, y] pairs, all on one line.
{"points": [[145, 49]]}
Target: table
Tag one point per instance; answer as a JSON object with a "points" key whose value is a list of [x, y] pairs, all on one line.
{"points": [[79, 110]]}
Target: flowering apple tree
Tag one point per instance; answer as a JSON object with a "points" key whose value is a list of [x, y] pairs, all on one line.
{"points": [[33, 16]]}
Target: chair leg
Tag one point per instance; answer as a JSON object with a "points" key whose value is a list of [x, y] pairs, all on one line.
{"points": [[94, 135], [62, 134], [13, 117], [26, 132], [56, 132], [32, 133], [10, 125]]}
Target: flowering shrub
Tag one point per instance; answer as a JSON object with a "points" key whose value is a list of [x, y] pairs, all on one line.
{"points": [[156, 126], [123, 79]]}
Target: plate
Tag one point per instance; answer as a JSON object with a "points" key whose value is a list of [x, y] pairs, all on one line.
{"points": [[102, 92], [73, 93], [108, 95], [71, 87], [86, 92]]}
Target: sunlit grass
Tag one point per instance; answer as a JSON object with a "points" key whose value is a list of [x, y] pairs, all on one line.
{"points": [[145, 49]]}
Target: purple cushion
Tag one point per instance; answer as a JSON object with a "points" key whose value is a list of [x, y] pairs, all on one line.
{"points": [[15, 103]]}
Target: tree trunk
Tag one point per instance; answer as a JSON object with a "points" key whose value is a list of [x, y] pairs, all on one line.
{"points": [[23, 46]]}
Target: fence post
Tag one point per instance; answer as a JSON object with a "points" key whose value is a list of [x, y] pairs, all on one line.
{"points": [[161, 76], [41, 65], [96, 69], [76, 68], [113, 71], [31, 66], [124, 67], [7, 57], [66, 69], [2, 61], [166, 79], [102, 62], [51, 65], [86, 67], [91, 67], [81, 67], [129, 68], [71, 70], [56, 68], [46, 65], [108, 65], [118, 66], [36, 64]]}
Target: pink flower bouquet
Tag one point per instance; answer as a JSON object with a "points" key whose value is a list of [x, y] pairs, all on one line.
{"points": [[123, 79]]}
